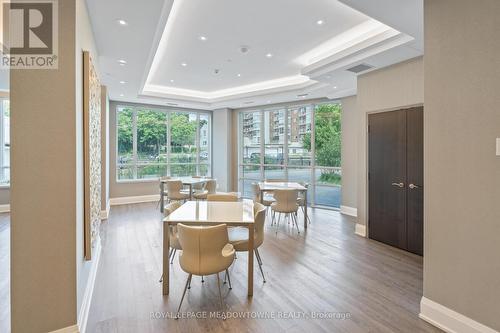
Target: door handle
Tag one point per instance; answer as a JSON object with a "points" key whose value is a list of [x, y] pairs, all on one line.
{"points": [[413, 186], [400, 185]]}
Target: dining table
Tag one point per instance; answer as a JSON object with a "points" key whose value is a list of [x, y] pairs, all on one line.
{"points": [[209, 213], [269, 187], [187, 181]]}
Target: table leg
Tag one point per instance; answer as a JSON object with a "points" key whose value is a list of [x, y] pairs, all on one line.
{"points": [[250, 259], [190, 192], [162, 199], [305, 209], [165, 259]]}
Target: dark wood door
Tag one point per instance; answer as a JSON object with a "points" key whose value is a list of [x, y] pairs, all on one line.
{"points": [[387, 178], [415, 179]]}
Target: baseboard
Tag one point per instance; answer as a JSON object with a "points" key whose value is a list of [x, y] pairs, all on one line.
{"points": [[135, 199], [4, 208], [448, 320], [351, 211], [83, 314], [105, 213], [360, 230], [69, 329]]}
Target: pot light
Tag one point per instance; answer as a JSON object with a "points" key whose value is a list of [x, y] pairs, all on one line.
{"points": [[122, 22], [203, 38], [184, 64], [269, 55], [171, 81], [122, 62], [121, 95], [335, 87], [238, 75], [123, 82], [320, 22]]}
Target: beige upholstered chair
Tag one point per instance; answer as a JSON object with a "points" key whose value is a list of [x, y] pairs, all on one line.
{"points": [[301, 200], [286, 203], [275, 180], [175, 192], [205, 251], [210, 188], [238, 237], [267, 199], [164, 189], [228, 197], [174, 238]]}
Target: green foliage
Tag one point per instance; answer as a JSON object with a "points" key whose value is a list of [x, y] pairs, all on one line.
{"points": [[328, 135], [331, 178], [125, 131], [151, 131], [183, 131]]}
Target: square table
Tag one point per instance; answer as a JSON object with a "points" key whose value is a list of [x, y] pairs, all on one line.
{"points": [[206, 213], [271, 186], [189, 181]]}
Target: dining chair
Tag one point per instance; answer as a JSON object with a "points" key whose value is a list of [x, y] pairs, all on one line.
{"points": [[164, 191], [286, 203], [275, 180], [238, 237], [174, 237], [210, 188], [301, 199], [227, 197], [199, 186], [267, 199], [175, 191], [205, 251]]}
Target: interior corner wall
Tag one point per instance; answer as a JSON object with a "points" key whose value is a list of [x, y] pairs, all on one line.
{"points": [[104, 149], [84, 42], [44, 194], [462, 172], [222, 148], [387, 89], [349, 152]]}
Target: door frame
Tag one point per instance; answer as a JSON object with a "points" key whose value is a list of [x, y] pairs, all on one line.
{"points": [[364, 162]]}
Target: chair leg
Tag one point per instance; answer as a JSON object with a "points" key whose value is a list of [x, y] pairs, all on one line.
{"points": [[173, 256], [259, 260], [161, 279], [228, 279], [202, 280], [295, 220], [220, 293], [183, 294]]}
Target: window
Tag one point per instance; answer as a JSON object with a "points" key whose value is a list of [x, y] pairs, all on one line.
{"points": [[153, 142], [4, 142], [298, 143]]}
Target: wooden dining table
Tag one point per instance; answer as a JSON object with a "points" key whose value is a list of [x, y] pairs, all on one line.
{"points": [[272, 186], [207, 213], [188, 181]]}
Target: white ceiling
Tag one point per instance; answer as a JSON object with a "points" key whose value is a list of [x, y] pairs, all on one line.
{"points": [[308, 59]]}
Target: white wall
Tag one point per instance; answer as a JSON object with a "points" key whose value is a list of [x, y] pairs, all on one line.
{"points": [[350, 118], [222, 148]]}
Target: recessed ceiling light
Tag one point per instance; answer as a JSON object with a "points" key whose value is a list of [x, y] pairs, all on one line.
{"points": [[172, 81], [184, 64], [123, 82], [269, 55], [203, 38], [320, 22], [122, 62], [335, 87], [122, 22], [121, 95], [238, 75]]}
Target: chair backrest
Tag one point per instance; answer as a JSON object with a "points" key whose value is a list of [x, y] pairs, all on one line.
{"points": [[211, 186], [256, 192], [275, 180], [286, 200], [202, 248], [259, 211], [171, 207], [174, 187], [227, 197], [196, 177]]}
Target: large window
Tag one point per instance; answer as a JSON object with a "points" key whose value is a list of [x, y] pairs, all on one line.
{"points": [[299, 143], [4, 142], [152, 143]]}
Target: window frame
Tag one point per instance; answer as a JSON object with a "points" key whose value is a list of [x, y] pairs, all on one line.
{"points": [[168, 111], [286, 166], [2, 142]]}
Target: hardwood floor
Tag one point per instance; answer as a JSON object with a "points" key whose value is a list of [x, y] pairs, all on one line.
{"points": [[4, 272], [326, 270]]}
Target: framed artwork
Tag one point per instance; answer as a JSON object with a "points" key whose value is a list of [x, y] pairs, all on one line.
{"points": [[92, 154]]}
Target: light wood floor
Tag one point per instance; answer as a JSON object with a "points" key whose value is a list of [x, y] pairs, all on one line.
{"points": [[326, 269]]}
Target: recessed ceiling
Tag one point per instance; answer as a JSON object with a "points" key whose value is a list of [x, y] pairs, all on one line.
{"points": [[224, 53]]}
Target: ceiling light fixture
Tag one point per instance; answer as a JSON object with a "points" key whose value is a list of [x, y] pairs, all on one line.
{"points": [[122, 22], [123, 82], [302, 96], [171, 81], [122, 62], [335, 87], [320, 22], [238, 75], [121, 95], [184, 64], [203, 38], [269, 55]]}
